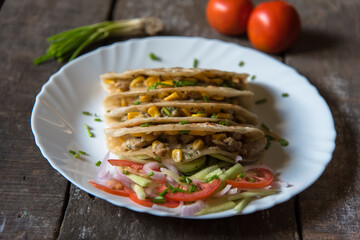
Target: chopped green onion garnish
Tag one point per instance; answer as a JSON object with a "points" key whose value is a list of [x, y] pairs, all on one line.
{"points": [[72, 152], [174, 190], [252, 77], [166, 111], [146, 124], [252, 180], [97, 120], [213, 177], [157, 84], [195, 63], [285, 95], [150, 174], [165, 191], [76, 155], [125, 172], [266, 128], [158, 199], [82, 152], [199, 112], [225, 123], [206, 98], [98, 163], [192, 188], [241, 63], [283, 142], [269, 137], [184, 122], [264, 100], [268, 143], [86, 113], [157, 158], [184, 83], [184, 131], [188, 180], [241, 175], [136, 102], [88, 131], [225, 85], [214, 115], [153, 57]]}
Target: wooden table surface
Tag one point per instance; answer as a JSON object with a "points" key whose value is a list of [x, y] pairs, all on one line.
{"points": [[36, 202]]}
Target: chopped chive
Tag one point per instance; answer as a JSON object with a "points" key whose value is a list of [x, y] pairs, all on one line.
{"points": [[264, 127], [82, 152], [88, 131], [225, 85], [206, 98], [252, 180], [97, 120], [195, 63], [184, 83], [241, 175], [241, 63], [269, 137], [98, 163], [76, 155], [225, 123], [192, 188], [268, 143], [72, 152], [174, 190], [252, 77], [214, 115], [158, 199], [136, 102], [213, 177], [264, 100], [285, 95], [184, 132], [146, 124], [86, 113], [166, 111], [184, 122], [283, 142], [150, 174], [157, 158], [157, 84], [153, 57], [125, 172], [199, 112], [164, 191], [188, 180]]}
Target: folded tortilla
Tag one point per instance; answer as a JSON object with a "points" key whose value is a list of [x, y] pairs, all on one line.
{"points": [[140, 79], [164, 140]]}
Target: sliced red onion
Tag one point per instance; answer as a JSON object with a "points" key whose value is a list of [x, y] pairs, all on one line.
{"points": [[196, 181], [103, 173], [169, 210], [171, 167], [238, 158], [279, 185], [222, 192], [233, 191], [149, 167], [247, 168], [171, 181], [190, 210], [150, 191], [122, 177]]}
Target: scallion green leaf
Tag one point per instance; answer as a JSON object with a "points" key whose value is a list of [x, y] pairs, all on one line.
{"points": [[136, 102], [184, 122], [285, 95], [72, 152], [98, 163], [260, 101], [195, 63], [206, 98], [86, 113], [146, 124], [166, 111], [241, 63]]}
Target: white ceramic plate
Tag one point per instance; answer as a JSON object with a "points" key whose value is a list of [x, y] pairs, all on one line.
{"points": [[303, 118]]}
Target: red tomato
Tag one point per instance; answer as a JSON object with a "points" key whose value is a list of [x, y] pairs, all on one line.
{"points": [[148, 203], [125, 192], [229, 17], [124, 163], [273, 26], [263, 180], [206, 190]]}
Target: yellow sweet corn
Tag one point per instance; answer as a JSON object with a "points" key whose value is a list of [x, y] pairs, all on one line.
{"points": [[168, 82], [173, 96], [183, 95], [186, 111], [150, 137], [219, 136], [123, 102], [218, 81], [223, 115], [177, 155], [218, 98], [199, 115], [198, 133], [163, 94], [155, 144], [138, 134], [153, 111], [198, 144], [121, 140], [145, 98], [131, 115], [110, 81], [136, 81], [151, 81]]}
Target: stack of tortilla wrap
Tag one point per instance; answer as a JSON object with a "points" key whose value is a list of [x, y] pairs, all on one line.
{"points": [[179, 115]]}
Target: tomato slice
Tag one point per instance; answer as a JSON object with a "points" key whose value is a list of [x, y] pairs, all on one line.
{"points": [[125, 163], [264, 180], [125, 192], [206, 190], [148, 203]]}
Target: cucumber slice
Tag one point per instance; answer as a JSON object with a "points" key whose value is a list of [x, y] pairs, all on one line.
{"points": [[222, 158], [217, 208], [139, 191], [242, 204], [139, 180], [191, 166], [202, 173]]}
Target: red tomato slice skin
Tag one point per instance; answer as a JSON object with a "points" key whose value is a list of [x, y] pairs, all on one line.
{"points": [[125, 163], [267, 180], [207, 190], [123, 193], [148, 203]]}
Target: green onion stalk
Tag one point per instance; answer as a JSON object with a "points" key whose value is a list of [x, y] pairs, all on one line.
{"points": [[67, 45]]}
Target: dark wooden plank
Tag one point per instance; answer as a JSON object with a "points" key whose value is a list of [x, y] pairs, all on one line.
{"points": [[32, 193], [92, 218], [328, 54]]}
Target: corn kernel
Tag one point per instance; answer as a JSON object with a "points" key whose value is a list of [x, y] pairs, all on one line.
{"points": [[138, 134], [177, 155], [155, 144], [219, 136], [183, 96], [123, 102], [151, 81], [153, 111], [199, 115], [145, 98], [136, 81], [121, 140], [171, 132], [218, 81], [150, 137], [110, 81], [198, 144], [218, 98], [198, 133], [131, 115], [163, 94], [186, 111], [173, 96], [223, 115], [168, 82], [157, 133]]}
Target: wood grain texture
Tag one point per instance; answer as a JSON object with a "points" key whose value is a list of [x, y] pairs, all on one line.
{"points": [[328, 53], [32, 194], [88, 217]]}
